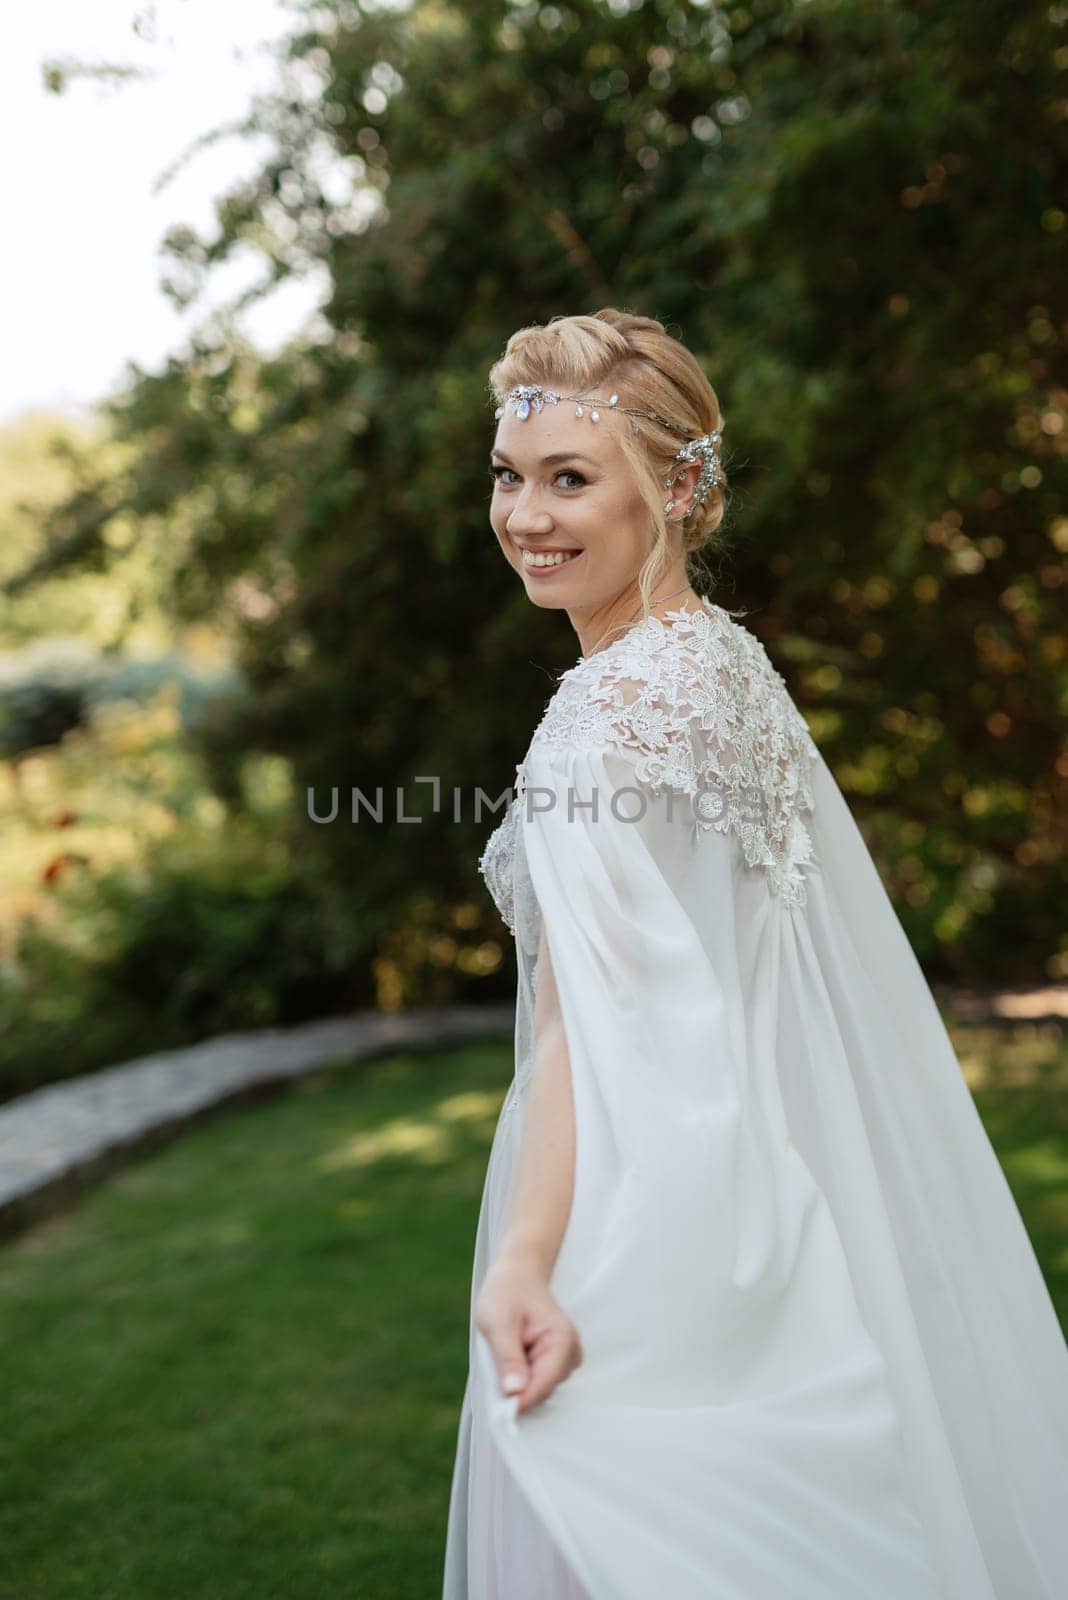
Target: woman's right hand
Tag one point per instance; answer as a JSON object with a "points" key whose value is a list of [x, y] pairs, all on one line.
{"points": [[534, 1342]]}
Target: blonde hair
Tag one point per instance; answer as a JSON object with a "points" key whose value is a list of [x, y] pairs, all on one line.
{"points": [[616, 352]]}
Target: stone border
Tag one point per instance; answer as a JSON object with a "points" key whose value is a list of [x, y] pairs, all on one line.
{"points": [[1002, 1008], [59, 1138], [56, 1140]]}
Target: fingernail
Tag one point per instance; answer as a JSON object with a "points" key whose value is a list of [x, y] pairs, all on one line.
{"points": [[511, 1382]]}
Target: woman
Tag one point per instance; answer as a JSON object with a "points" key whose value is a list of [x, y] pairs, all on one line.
{"points": [[754, 1313]]}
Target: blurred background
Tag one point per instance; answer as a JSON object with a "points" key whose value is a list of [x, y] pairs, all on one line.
{"points": [[259, 259]]}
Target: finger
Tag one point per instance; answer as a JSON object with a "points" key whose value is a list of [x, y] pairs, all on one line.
{"points": [[549, 1366], [569, 1342], [513, 1369]]}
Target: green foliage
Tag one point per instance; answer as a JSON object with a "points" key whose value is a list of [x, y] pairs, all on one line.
{"points": [[851, 211], [198, 937], [71, 564], [44, 692], [139, 912], [52, 686]]}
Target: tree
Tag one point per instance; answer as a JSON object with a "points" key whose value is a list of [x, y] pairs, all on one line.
{"points": [[850, 211]]}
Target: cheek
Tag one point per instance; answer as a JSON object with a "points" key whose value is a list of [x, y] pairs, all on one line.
{"points": [[500, 533]]}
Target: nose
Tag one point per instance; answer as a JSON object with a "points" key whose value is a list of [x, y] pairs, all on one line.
{"points": [[526, 516]]}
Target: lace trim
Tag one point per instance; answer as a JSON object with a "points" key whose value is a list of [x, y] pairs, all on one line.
{"points": [[496, 863], [708, 716]]}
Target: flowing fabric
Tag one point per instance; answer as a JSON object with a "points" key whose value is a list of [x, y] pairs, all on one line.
{"points": [[820, 1359]]}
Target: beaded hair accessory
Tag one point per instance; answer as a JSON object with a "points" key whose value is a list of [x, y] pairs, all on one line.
{"points": [[526, 397]]}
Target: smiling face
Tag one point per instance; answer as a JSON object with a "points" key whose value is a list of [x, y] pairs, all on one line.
{"points": [[570, 516], [563, 487]]}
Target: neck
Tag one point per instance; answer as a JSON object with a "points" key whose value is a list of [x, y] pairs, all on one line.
{"points": [[599, 626]]}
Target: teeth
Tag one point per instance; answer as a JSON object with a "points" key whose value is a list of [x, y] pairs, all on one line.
{"points": [[556, 560]]}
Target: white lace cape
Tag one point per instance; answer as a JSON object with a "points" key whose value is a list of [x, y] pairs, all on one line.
{"points": [[699, 703]]}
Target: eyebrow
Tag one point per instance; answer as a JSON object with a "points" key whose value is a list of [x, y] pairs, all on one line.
{"points": [[559, 455]]}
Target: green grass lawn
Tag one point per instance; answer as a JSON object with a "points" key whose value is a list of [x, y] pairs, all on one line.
{"points": [[235, 1369]]}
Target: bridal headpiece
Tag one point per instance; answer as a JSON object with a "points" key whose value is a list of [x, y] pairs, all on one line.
{"points": [[527, 397]]}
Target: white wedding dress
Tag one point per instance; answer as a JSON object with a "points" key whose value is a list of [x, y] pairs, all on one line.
{"points": [[820, 1359]]}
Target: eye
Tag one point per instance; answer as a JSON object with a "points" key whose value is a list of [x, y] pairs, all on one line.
{"points": [[565, 472]]}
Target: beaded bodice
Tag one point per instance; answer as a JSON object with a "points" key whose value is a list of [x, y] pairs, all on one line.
{"points": [[703, 711]]}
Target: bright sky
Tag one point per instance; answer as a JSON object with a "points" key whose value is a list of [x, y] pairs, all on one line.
{"points": [[80, 273]]}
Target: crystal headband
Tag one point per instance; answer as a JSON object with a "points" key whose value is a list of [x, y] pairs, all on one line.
{"points": [[526, 397]]}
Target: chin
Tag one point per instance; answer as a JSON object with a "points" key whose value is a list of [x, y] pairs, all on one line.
{"points": [[548, 602]]}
